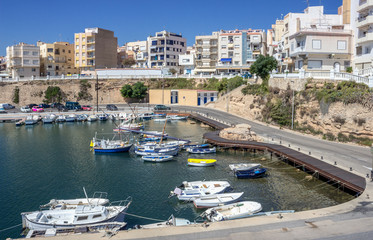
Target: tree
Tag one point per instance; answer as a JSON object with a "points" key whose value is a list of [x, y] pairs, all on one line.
{"points": [[263, 66], [139, 90], [172, 71], [53, 94], [128, 62], [126, 91]]}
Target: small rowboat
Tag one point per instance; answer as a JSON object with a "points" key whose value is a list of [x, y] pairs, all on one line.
{"points": [[244, 166], [232, 211], [216, 200], [157, 158], [201, 150], [201, 162], [253, 173]]}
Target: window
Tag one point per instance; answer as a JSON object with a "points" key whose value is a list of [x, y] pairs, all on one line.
{"points": [[83, 39], [33, 69], [82, 218], [83, 62], [77, 62], [35, 62], [300, 64], [314, 64], [224, 38], [237, 54], [77, 40], [223, 55], [83, 47], [236, 46], [341, 45], [316, 44], [35, 53], [223, 46], [25, 52], [63, 50], [96, 216], [69, 51], [26, 61], [83, 54], [186, 60], [77, 47], [76, 54]]}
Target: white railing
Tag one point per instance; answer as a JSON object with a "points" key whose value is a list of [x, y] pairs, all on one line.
{"points": [[366, 72], [102, 77], [332, 75]]}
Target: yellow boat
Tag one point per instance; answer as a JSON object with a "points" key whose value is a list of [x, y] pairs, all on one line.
{"points": [[201, 162]]}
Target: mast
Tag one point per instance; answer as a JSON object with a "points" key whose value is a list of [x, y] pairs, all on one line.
{"points": [[96, 93], [164, 127]]}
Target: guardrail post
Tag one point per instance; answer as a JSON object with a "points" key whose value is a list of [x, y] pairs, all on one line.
{"points": [[302, 73], [370, 81], [332, 74]]}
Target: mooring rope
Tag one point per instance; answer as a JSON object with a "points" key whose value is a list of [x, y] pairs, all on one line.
{"points": [[10, 227], [153, 219]]}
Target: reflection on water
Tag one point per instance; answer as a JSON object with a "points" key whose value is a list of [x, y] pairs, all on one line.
{"points": [[42, 162]]}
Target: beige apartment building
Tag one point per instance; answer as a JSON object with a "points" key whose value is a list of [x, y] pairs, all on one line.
{"points": [[206, 54], [139, 51], [56, 59], [238, 49], [184, 97], [23, 60], [95, 48]]}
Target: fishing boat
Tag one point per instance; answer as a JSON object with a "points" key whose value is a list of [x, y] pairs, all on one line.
{"points": [[92, 118], [201, 162], [244, 166], [130, 126], [252, 173], [216, 199], [155, 149], [187, 191], [172, 221], [71, 118], [80, 216], [20, 122], [49, 119], [157, 158], [177, 117], [30, 120], [146, 116], [81, 117], [102, 116], [232, 211], [205, 145], [113, 145], [201, 150], [61, 119]]}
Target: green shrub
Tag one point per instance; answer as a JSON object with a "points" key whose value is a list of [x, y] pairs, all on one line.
{"points": [[16, 95]]}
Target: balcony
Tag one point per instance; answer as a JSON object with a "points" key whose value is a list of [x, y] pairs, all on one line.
{"points": [[368, 37], [90, 56], [364, 4], [297, 51], [90, 49], [364, 21]]}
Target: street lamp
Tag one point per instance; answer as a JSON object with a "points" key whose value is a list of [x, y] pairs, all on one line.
{"points": [[292, 108], [371, 170]]}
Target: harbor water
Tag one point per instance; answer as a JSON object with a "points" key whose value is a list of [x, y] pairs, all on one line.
{"points": [[43, 162]]}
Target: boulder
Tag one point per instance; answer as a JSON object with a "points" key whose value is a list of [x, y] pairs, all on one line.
{"points": [[240, 132]]}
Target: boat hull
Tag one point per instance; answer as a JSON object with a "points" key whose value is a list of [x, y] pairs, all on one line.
{"points": [[255, 173], [113, 150], [232, 211], [216, 200]]}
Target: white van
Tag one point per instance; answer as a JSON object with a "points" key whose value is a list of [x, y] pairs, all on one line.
{"points": [[2, 109]]}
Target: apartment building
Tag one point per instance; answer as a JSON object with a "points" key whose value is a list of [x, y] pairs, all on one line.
{"points": [[2, 64], [363, 22], [206, 53], [95, 48], [23, 60], [56, 59], [164, 49], [238, 49], [187, 63], [139, 52], [275, 44], [316, 41]]}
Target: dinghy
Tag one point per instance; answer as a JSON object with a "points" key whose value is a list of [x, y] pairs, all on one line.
{"points": [[216, 200], [172, 221], [201, 150], [232, 211], [187, 191], [244, 166], [157, 158], [201, 162], [253, 173]]}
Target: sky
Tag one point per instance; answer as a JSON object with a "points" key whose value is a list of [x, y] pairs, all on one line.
{"points": [[50, 20]]}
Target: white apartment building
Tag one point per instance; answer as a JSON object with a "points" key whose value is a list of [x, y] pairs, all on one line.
{"points": [[139, 50], [23, 60], [206, 53], [186, 62], [164, 49], [316, 41], [363, 21], [238, 49]]}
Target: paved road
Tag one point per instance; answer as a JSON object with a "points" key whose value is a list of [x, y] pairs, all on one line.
{"points": [[346, 155]]}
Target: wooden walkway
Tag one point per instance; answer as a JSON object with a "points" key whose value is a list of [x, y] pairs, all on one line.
{"points": [[345, 179]]}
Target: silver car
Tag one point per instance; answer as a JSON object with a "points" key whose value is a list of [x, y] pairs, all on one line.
{"points": [[25, 109]]}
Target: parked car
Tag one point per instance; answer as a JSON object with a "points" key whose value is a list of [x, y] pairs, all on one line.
{"points": [[161, 107], [32, 105], [111, 107], [73, 106], [56, 104], [62, 108], [37, 109], [43, 105], [25, 109], [87, 108], [7, 106], [2, 110]]}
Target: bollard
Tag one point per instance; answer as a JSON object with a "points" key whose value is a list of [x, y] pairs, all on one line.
{"points": [[298, 149], [309, 153], [280, 142], [289, 145], [272, 140], [367, 175], [322, 157], [350, 168], [335, 163]]}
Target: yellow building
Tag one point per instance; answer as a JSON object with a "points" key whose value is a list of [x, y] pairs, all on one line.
{"points": [[184, 97], [95, 48], [56, 59]]}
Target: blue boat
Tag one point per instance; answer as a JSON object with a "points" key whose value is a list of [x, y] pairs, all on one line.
{"points": [[103, 116], [201, 150], [113, 149], [206, 145], [110, 146], [253, 173]]}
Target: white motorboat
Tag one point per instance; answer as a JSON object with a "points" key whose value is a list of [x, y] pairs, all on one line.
{"points": [[37, 118], [157, 158], [190, 190], [71, 118], [172, 221], [232, 211], [81, 215], [49, 118], [61, 118], [92, 118], [244, 166], [30, 120], [177, 117], [216, 200]]}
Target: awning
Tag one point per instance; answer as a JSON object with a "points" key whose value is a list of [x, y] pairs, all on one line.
{"points": [[226, 60]]}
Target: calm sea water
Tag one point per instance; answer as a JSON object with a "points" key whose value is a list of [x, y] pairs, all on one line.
{"points": [[42, 162]]}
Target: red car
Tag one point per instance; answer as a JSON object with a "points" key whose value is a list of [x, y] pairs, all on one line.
{"points": [[37, 109], [86, 108]]}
